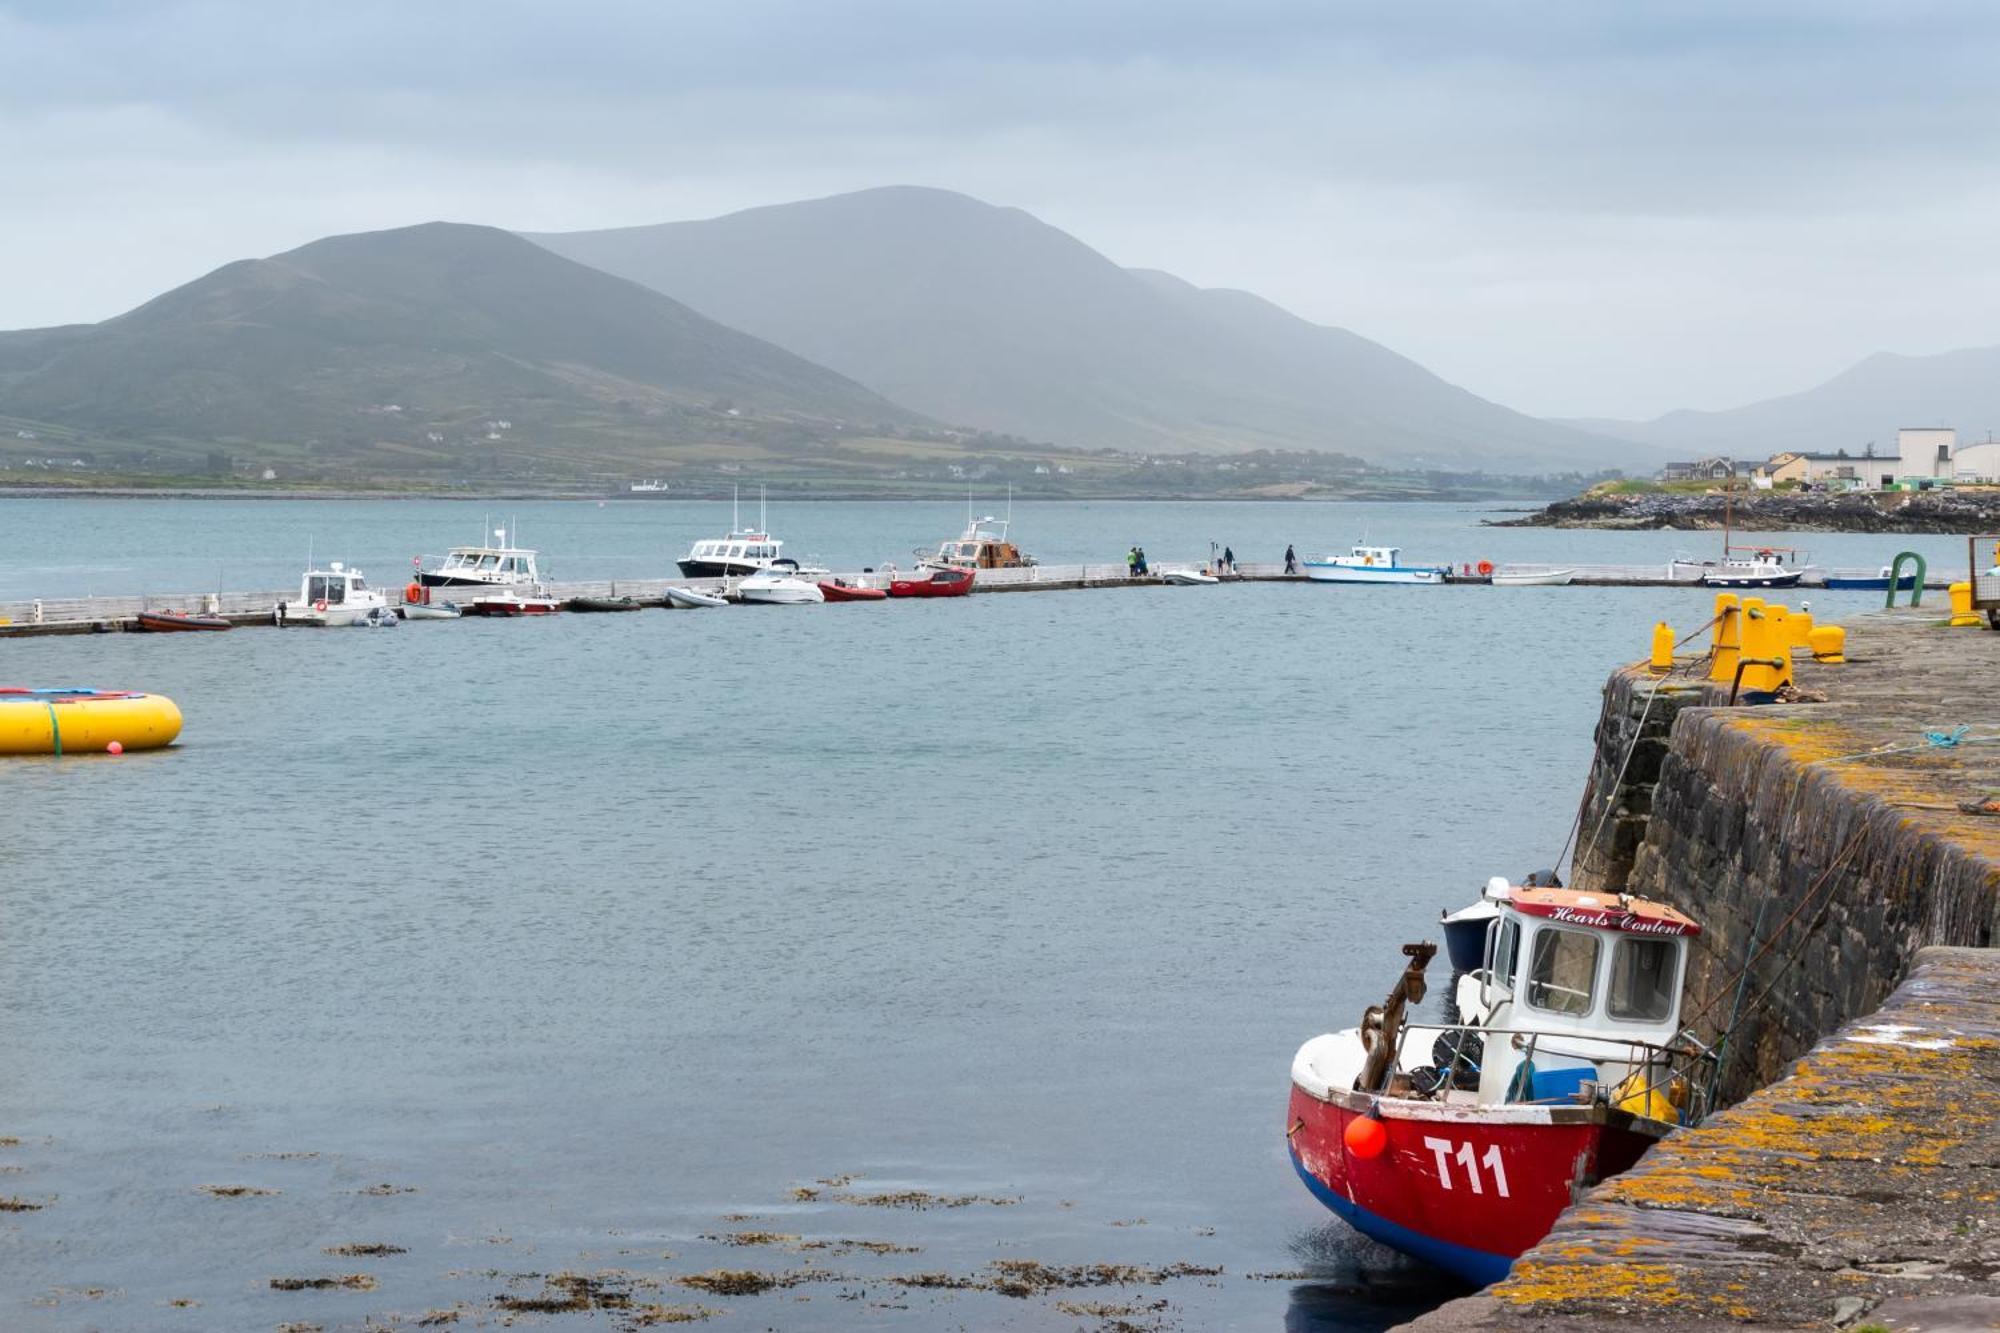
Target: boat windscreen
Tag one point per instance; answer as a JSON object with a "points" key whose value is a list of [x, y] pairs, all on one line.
{"points": [[1562, 970], [1643, 973]]}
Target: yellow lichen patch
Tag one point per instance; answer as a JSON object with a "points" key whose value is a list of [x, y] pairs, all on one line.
{"points": [[1534, 1282]]}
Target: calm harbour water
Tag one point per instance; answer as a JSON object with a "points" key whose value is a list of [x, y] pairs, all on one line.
{"points": [[598, 934]]}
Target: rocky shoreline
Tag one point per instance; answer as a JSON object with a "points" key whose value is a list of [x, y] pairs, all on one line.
{"points": [[1944, 511]]}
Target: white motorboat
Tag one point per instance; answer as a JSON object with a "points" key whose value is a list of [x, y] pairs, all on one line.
{"points": [[429, 611], [775, 587], [743, 552], [1761, 567], [495, 566], [335, 595], [1370, 564], [1187, 577], [695, 598], [1532, 578]]}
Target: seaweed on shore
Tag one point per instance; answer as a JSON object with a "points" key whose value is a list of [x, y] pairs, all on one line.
{"points": [[922, 1199], [343, 1281], [236, 1191], [364, 1250]]}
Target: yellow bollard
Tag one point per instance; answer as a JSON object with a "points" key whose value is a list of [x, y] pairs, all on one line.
{"points": [[1800, 623], [1829, 644], [1663, 649], [1962, 616], [1778, 618], [1728, 637], [1754, 675], [1763, 640]]}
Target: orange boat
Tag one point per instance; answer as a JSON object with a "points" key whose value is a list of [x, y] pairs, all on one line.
{"points": [[174, 622], [837, 591]]}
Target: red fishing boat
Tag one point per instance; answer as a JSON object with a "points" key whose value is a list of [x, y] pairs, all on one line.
{"points": [[837, 590], [933, 583], [175, 622], [1561, 1061]]}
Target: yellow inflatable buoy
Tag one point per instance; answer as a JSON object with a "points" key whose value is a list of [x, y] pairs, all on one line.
{"points": [[79, 721]]}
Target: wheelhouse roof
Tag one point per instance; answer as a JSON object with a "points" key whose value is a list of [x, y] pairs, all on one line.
{"points": [[1604, 911]]}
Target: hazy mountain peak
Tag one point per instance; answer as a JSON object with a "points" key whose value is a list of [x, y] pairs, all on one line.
{"points": [[987, 316]]}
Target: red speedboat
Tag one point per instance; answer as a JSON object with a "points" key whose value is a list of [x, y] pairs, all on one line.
{"points": [[1460, 1142], [173, 622], [933, 583], [837, 591]]}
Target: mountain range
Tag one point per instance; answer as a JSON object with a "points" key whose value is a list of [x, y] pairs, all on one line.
{"points": [[1862, 405], [884, 332], [986, 317]]}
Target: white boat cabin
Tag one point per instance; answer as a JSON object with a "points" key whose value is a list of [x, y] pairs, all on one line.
{"points": [[489, 564], [1587, 987], [1390, 557], [742, 548], [335, 585]]}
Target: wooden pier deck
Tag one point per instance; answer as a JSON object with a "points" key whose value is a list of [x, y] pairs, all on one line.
{"points": [[101, 615]]}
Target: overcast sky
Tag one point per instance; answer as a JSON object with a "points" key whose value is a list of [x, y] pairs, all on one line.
{"points": [[1587, 208]]}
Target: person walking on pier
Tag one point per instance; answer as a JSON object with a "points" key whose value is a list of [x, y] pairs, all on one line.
{"points": [[1291, 560], [1131, 562], [1229, 559], [1144, 568]]}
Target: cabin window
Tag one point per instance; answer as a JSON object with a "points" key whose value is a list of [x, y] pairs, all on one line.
{"points": [[1643, 973], [1505, 948], [1562, 970], [736, 551], [489, 561], [360, 584]]}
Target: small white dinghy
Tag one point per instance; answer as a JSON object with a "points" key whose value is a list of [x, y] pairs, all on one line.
{"points": [[1187, 577], [1544, 578], [692, 599], [429, 611]]}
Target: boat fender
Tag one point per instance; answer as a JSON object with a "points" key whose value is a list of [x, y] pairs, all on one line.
{"points": [[414, 593], [1365, 1137], [1485, 567]]}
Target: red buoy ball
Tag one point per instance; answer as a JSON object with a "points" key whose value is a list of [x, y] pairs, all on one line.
{"points": [[116, 747], [1365, 1137]]}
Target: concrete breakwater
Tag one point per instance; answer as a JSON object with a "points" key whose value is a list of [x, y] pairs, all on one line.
{"points": [[1832, 851], [88, 615]]}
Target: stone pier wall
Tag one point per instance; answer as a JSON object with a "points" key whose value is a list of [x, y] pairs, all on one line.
{"points": [[1820, 844], [1828, 849]]}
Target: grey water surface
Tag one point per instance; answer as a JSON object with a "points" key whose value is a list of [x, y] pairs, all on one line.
{"points": [[594, 936]]}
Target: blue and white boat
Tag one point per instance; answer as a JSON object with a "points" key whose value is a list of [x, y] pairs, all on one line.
{"points": [[1371, 564], [1878, 582]]}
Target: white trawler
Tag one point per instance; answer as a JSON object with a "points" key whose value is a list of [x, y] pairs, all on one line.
{"points": [[743, 552], [494, 567], [336, 596]]}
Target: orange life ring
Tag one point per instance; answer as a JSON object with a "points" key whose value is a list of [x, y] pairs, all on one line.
{"points": [[320, 605], [1485, 566]]}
